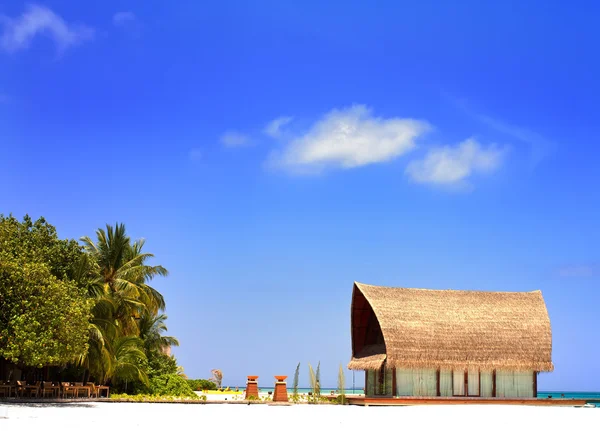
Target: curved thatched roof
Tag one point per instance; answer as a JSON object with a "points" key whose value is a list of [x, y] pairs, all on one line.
{"points": [[424, 328], [371, 357]]}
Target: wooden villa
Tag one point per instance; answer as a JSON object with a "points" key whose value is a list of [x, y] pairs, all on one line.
{"points": [[449, 343]]}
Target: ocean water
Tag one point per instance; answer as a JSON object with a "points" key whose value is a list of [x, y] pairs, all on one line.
{"points": [[574, 395], [324, 391]]}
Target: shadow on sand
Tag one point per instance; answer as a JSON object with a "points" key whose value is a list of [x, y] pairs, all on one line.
{"points": [[44, 404]]}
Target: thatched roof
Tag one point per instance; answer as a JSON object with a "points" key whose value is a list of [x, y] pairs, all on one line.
{"points": [[371, 357], [423, 328]]}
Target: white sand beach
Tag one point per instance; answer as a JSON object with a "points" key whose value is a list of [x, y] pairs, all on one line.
{"points": [[97, 416]]}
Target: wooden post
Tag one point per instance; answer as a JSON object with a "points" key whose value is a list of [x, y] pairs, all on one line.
{"points": [[366, 381], [494, 383], [437, 376], [466, 371], [535, 374], [394, 391], [480, 382]]}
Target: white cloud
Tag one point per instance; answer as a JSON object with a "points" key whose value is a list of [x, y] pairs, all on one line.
{"points": [[234, 139], [17, 33], [582, 270], [273, 129], [123, 18], [453, 165], [348, 138]]}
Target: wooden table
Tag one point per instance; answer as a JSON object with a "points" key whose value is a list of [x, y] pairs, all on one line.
{"points": [[3, 389], [32, 387], [82, 388], [103, 388]]}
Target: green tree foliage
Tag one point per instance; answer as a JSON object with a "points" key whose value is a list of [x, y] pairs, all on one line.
{"points": [[170, 384], [151, 331], [44, 313], [91, 308], [201, 384], [128, 345]]}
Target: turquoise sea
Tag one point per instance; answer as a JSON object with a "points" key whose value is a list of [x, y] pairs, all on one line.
{"points": [[553, 394], [574, 395], [324, 391]]}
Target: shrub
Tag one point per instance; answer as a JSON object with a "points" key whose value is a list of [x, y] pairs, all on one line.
{"points": [[171, 384], [142, 398], [201, 384], [340, 399]]}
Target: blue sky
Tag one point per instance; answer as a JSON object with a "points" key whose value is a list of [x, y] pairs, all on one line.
{"points": [[271, 153]]}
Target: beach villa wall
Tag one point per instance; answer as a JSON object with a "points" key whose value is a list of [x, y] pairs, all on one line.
{"points": [[449, 343]]}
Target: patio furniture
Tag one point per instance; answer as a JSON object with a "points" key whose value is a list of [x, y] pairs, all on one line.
{"points": [[93, 390], [20, 388], [47, 388], [67, 389], [56, 386], [6, 388], [33, 390], [103, 388], [79, 388]]}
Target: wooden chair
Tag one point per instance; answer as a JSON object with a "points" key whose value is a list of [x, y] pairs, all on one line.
{"points": [[47, 388], [56, 386], [79, 388], [93, 390], [5, 388], [33, 390], [67, 389], [20, 388], [101, 388]]}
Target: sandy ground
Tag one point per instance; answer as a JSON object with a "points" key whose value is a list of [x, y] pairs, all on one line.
{"points": [[117, 416]]}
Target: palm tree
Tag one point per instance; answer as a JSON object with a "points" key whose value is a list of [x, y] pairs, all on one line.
{"points": [[151, 332], [129, 358], [124, 276], [116, 276]]}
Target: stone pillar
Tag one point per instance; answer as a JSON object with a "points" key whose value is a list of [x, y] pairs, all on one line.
{"points": [[280, 395], [252, 387]]}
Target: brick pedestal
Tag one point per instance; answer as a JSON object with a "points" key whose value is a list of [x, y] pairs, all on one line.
{"points": [[280, 395], [252, 387]]}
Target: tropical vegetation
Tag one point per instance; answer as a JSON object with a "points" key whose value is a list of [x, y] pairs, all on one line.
{"points": [[90, 310], [202, 385]]}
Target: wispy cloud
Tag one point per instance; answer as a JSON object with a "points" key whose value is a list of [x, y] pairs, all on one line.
{"points": [[349, 138], [454, 165], [273, 129], [579, 270], [128, 22], [195, 154], [123, 18], [234, 139], [17, 33], [540, 146]]}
